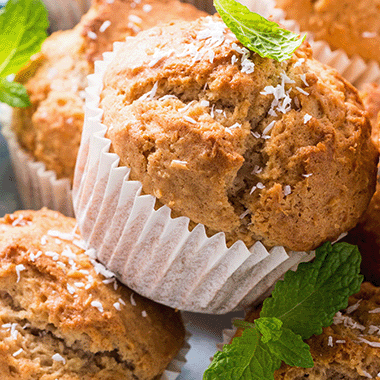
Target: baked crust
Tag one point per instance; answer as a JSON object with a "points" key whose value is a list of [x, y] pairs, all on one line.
{"points": [[59, 302], [313, 178], [56, 78], [351, 25]]}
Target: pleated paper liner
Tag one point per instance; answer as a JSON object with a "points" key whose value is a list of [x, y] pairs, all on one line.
{"points": [[354, 69], [37, 186], [152, 253], [175, 366]]}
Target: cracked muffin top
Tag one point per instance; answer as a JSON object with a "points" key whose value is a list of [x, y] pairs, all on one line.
{"points": [[350, 25], [50, 129], [63, 315], [261, 150], [349, 349]]}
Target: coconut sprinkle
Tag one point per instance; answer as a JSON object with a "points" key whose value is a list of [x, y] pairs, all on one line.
{"points": [[303, 78], [302, 91], [104, 26], [307, 175], [92, 35], [269, 127], [18, 352], [97, 305], [287, 190], [132, 300], [61, 235], [330, 341], [144, 314], [117, 306], [299, 62], [150, 94], [340, 341], [354, 307], [123, 303], [204, 103], [257, 170], [19, 269], [59, 358], [14, 332], [251, 192], [374, 311], [369, 34], [306, 118], [158, 55], [190, 119], [70, 289], [244, 214], [147, 8]]}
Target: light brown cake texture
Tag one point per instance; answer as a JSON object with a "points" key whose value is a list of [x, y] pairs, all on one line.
{"points": [[56, 78], [200, 128], [347, 350], [63, 316], [351, 25]]}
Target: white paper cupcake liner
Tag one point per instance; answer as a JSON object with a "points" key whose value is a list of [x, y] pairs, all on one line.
{"points": [[37, 186], [354, 69], [174, 368], [152, 253]]}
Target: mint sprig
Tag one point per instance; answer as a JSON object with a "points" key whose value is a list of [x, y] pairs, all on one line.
{"points": [[301, 304], [264, 37], [23, 25]]}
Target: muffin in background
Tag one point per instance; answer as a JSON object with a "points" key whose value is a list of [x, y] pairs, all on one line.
{"points": [[48, 132], [208, 135], [350, 25], [348, 349], [63, 315]]}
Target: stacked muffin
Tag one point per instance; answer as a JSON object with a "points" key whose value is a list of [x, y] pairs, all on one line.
{"points": [[49, 131]]}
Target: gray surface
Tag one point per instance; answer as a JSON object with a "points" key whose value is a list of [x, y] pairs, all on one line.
{"points": [[206, 330]]}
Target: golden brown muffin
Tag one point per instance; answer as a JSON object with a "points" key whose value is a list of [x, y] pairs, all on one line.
{"points": [[56, 78], [261, 150], [347, 350], [63, 315], [351, 25], [371, 100]]}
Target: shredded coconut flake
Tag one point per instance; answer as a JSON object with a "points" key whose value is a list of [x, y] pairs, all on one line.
{"points": [[287, 190], [59, 358], [132, 300], [302, 91], [372, 329], [158, 55], [190, 119], [369, 34], [255, 134], [340, 341], [79, 284], [374, 311], [144, 314], [307, 175], [97, 305], [19, 269], [269, 127], [150, 94], [147, 8], [303, 78], [123, 303], [330, 341], [244, 214], [352, 308], [61, 235], [306, 118], [18, 352], [257, 170], [92, 35], [135, 19], [70, 289], [251, 192], [117, 306], [104, 26], [14, 332], [299, 62], [204, 103]]}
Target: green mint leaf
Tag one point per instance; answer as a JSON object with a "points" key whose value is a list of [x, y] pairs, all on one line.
{"points": [[23, 25], [291, 349], [246, 358], [256, 33], [270, 328], [307, 300], [13, 94]]}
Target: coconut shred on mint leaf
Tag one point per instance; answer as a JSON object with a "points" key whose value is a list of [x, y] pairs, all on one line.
{"points": [[23, 25]]}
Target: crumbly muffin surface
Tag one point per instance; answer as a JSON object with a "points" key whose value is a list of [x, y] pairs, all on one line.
{"points": [[351, 25], [56, 78], [261, 150], [347, 350], [62, 315]]}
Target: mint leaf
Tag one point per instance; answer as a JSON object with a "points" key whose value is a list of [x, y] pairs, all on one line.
{"points": [[256, 33], [246, 358], [291, 349], [308, 299], [13, 93], [270, 328], [23, 27]]}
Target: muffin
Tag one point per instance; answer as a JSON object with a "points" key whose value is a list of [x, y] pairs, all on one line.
{"points": [[247, 148], [350, 25], [63, 315], [49, 131], [349, 348], [342, 35]]}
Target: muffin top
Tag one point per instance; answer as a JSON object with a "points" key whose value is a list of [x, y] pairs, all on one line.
{"points": [[349, 348], [56, 78], [261, 150], [351, 25], [68, 315]]}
